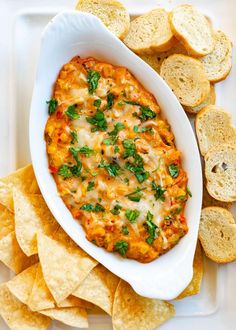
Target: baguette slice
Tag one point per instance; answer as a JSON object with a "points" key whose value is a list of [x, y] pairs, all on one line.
{"points": [[220, 172], [214, 127], [150, 33], [111, 12], [217, 233], [187, 79], [208, 200], [155, 61], [211, 98], [193, 29], [218, 63]]}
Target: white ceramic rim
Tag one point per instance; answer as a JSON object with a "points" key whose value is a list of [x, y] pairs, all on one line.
{"points": [[73, 33]]}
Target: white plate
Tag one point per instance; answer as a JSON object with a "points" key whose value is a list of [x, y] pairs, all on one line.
{"points": [[72, 33], [214, 308]]}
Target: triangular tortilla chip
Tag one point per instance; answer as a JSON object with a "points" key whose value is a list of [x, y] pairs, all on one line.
{"points": [[195, 285], [40, 297], [32, 216], [23, 179], [7, 224], [73, 316], [99, 288], [22, 284], [6, 197], [131, 311], [63, 263], [12, 255], [17, 315], [72, 301]]}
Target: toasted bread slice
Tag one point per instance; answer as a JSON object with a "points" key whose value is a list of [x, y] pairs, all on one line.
{"points": [[218, 63], [193, 29], [111, 12], [210, 99], [217, 233], [220, 172], [187, 79], [150, 33], [214, 127], [155, 61], [208, 200]]}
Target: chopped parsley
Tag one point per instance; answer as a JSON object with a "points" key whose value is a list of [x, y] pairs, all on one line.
{"points": [[136, 195], [132, 215], [91, 208], [151, 228], [72, 113], [110, 100], [122, 247], [173, 170], [146, 113], [138, 169], [116, 149], [113, 169], [74, 137], [181, 197], [76, 169], [130, 148], [98, 120], [110, 141], [143, 130], [132, 102], [85, 150], [125, 230], [189, 192], [64, 171], [117, 127], [90, 186], [116, 209], [159, 191], [52, 104], [120, 104], [97, 103], [93, 78]]}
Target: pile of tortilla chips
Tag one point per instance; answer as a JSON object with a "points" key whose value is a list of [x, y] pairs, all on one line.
{"points": [[55, 279]]}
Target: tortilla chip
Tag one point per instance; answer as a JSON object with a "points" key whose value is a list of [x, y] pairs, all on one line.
{"points": [[74, 316], [99, 288], [72, 301], [12, 255], [6, 197], [40, 297], [7, 224], [195, 285], [17, 315], [131, 311], [22, 284], [32, 216], [63, 263]]}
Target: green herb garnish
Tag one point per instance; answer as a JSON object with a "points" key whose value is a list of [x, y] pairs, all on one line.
{"points": [[74, 137], [130, 148], [122, 247], [146, 113], [132, 215], [116, 149], [159, 192], [173, 170], [138, 171], [151, 228], [72, 113], [113, 169], [90, 186], [52, 104], [68, 171], [110, 100], [97, 103], [110, 141], [181, 197], [125, 230], [116, 209], [98, 120], [64, 171], [117, 127], [93, 78], [132, 102], [91, 208], [189, 192], [136, 195]]}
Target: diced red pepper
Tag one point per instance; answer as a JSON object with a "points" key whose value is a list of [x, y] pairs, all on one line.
{"points": [[59, 115], [52, 169]]}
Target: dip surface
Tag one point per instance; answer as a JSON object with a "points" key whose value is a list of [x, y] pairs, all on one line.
{"points": [[114, 160]]}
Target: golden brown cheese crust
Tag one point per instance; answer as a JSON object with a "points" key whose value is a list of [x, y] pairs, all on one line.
{"points": [[114, 160]]}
